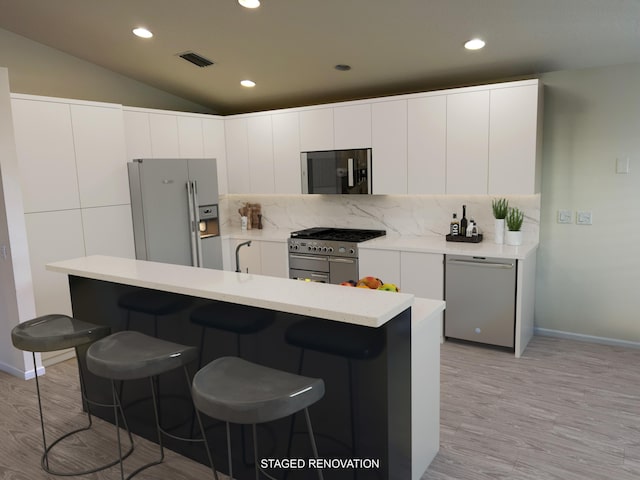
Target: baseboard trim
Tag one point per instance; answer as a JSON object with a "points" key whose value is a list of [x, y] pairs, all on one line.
{"points": [[24, 374], [546, 332]]}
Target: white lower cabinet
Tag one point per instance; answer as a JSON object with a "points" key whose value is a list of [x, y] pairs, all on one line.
{"points": [[382, 264], [108, 231], [263, 257]]}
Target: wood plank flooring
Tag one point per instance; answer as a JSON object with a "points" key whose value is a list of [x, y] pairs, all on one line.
{"points": [[564, 411]]}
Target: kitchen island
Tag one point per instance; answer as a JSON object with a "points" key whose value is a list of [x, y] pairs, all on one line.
{"points": [[392, 395]]}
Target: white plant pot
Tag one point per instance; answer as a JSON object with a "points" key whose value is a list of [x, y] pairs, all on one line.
{"points": [[498, 225], [513, 238]]}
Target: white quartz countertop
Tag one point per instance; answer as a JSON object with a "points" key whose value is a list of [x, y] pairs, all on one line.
{"points": [[359, 306], [406, 243]]}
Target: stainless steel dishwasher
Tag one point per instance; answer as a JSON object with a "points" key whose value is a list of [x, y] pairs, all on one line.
{"points": [[481, 299]]}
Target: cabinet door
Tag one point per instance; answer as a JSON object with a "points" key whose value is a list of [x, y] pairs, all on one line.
{"points": [[137, 134], [352, 127], [316, 129], [190, 137], [383, 264], [164, 136], [214, 147], [98, 137], [286, 152], [422, 274], [513, 140], [237, 155], [275, 259], [260, 147], [467, 142], [53, 236], [108, 231], [427, 145], [389, 156], [46, 157]]}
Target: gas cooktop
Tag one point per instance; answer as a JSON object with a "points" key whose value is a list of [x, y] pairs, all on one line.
{"points": [[338, 234]]}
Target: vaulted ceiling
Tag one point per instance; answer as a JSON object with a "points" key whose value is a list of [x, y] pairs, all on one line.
{"points": [[290, 47]]}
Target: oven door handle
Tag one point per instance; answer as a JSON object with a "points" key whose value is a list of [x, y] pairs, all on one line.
{"points": [[341, 260], [308, 257]]}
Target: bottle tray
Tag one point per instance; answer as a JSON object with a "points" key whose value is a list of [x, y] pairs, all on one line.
{"points": [[460, 238]]}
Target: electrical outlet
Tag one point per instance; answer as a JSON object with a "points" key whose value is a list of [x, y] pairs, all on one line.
{"points": [[583, 218], [564, 216]]}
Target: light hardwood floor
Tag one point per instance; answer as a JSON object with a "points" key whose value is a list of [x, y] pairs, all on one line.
{"points": [[565, 410]]}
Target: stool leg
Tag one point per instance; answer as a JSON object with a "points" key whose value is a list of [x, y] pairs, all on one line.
{"points": [[115, 415], [45, 457], [352, 408], [255, 451], [229, 451], [202, 431], [312, 439]]}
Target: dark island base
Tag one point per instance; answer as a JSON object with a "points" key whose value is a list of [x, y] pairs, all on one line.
{"points": [[381, 388]]}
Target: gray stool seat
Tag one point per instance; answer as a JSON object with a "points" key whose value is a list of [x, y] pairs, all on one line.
{"points": [[55, 332], [240, 319], [58, 332], [238, 391], [129, 355], [235, 390], [153, 302]]}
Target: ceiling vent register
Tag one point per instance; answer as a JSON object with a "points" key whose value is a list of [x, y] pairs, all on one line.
{"points": [[196, 59]]}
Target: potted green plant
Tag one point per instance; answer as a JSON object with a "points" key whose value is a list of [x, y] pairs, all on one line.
{"points": [[514, 220], [500, 207]]}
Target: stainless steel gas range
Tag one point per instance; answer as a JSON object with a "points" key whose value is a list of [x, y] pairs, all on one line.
{"points": [[328, 255]]}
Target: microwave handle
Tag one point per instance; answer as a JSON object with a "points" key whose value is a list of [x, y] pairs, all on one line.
{"points": [[304, 169], [369, 176]]}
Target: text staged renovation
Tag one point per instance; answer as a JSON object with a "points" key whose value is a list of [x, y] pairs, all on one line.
{"points": [[325, 463]]}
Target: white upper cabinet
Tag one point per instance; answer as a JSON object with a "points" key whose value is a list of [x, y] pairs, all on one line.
{"points": [[137, 134], [286, 152], [260, 148], [98, 134], [352, 126], [190, 142], [427, 145], [164, 136], [316, 130], [513, 142], [389, 155], [237, 155], [468, 142], [214, 147], [46, 157]]}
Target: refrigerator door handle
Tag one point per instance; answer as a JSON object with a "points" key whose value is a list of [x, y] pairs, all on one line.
{"points": [[193, 225], [196, 230]]}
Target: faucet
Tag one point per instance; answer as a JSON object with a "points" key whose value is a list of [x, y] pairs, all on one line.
{"points": [[248, 244]]}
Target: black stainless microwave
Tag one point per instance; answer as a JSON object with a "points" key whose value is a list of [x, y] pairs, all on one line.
{"points": [[337, 171]]}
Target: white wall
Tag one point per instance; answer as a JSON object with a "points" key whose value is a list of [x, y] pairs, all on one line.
{"points": [[16, 290], [588, 276], [40, 70]]}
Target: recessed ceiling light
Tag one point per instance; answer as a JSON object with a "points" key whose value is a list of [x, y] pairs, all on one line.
{"points": [[142, 32], [248, 83], [249, 3], [474, 44]]}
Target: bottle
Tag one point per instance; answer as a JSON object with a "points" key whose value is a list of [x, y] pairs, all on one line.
{"points": [[454, 228], [463, 221], [470, 228], [474, 230]]}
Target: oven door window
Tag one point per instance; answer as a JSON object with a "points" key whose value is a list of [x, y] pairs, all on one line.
{"points": [[308, 276]]}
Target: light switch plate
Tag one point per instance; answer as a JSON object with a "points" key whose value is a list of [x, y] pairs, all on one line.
{"points": [[564, 216], [622, 165], [583, 218]]}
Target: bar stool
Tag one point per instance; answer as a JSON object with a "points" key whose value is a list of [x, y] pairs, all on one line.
{"points": [[130, 355], [352, 342], [237, 391], [151, 302], [237, 319], [53, 332]]}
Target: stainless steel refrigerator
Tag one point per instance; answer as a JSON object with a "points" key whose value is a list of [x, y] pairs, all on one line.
{"points": [[174, 205]]}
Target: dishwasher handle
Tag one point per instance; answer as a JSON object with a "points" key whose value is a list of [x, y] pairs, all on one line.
{"points": [[475, 263]]}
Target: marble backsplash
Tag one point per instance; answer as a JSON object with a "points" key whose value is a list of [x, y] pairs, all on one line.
{"points": [[416, 215]]}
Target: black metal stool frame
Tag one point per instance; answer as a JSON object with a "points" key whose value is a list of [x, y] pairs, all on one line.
{"points": [[87, 402]]}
